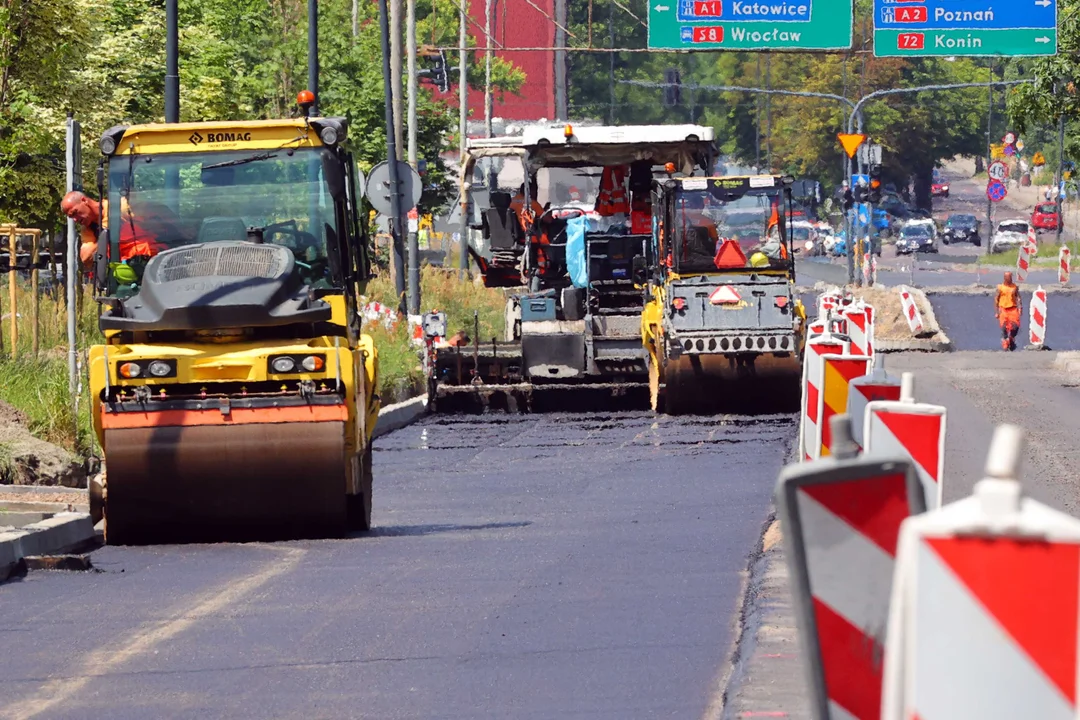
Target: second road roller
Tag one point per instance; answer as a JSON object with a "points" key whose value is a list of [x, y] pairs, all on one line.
{"points": [[234, 392], [723, 328]]}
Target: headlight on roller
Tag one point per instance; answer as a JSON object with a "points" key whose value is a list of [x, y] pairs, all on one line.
{"points": [[313, 363], [130, 370], [162, 368], [283, 364]]}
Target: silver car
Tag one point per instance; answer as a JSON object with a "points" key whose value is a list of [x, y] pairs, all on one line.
{"points": [[1009, 234]]}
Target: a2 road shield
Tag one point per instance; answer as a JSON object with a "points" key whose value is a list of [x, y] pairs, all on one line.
{"points": [[841, 520]]}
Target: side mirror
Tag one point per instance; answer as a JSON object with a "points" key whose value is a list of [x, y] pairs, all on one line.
{"points": [[101, 262], [639, 270], [335, 177]]}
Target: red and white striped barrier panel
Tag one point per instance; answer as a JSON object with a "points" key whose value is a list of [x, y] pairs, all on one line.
{"points": [[875, 387], [837, 374], [1064, 265], [983, 615], [859, 318], [1033, 243], [841, 518], [813, 373], [916, 430], [866, 270], [377, 312], [1037, 321], [828, 302], [910, 309], [873, 269], [1023, 262]]}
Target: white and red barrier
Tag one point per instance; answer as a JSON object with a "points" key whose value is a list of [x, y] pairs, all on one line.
{"points": [[916, 430], [1064, 264], [1032, 243], [984, 607], [841, 518], [859, 318], [1037, 321], [837, 374], [1023, 262], [813, 373], [910, 309], [876, 387], [377, 312]]}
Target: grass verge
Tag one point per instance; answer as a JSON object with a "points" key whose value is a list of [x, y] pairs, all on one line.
{"points": [[1047, 257]]}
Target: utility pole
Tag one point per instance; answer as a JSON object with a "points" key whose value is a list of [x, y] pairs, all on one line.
{"points": [[463, 134], [414, 249], [395, 73], [391, 160], [313, 53], [562, 110], [1060, 175], [611, 61], [355, 18], [489, 55], [757, 119], [172, 63], [989, 155]]}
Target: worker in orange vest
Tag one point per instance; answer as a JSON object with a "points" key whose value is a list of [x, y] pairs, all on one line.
{"points": [[1007, 309]]}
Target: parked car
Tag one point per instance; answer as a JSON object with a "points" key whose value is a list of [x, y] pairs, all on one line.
{"points": [[916, 236], [961, 228], [1009, 234], [1045, 217], [928, 223]]}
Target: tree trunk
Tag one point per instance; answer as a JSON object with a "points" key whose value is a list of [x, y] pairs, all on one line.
{"points": [[924, 178], [979, 164]]}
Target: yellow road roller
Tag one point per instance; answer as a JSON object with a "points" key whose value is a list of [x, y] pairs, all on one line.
{"points": [[234, 393], [723, 329]]}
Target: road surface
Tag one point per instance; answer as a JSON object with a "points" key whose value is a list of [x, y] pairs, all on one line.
{"points": [[539, 566]]}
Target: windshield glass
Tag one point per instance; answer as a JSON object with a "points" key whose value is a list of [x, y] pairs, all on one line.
{"points": [[1013, 227], [916, 231], [1048, 208], [158, 202], [724, 223], [962, 220]]}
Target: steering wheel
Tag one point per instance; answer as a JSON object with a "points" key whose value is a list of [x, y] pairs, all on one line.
{"points": [[300, 243]]}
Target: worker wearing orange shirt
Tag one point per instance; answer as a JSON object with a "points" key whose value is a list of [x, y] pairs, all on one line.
{"points": [[135, 240], [1007, 309]]}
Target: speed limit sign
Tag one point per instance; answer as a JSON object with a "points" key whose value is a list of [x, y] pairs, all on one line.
{"points": [[1009, 138], [998, 171]]}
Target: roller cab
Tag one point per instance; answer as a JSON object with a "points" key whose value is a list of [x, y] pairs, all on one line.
{"points": [[233, 395], [723, 328]]}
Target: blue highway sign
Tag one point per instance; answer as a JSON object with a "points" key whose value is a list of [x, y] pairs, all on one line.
{"points": [[966, 14]]}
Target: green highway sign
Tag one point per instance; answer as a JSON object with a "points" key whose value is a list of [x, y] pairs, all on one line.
{"points": [[922, 28], [1013, 43], [750, 24]]}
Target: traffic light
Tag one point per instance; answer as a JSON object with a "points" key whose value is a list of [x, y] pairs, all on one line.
{"points": [[672, 89], [439, 73], [874, 195]]}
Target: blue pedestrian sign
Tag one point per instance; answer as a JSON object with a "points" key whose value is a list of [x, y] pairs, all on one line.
{"points": [[996, 190]]}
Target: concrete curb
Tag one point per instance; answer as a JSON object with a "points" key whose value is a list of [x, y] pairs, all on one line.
{"points": [[987, 290], [47, 537], [1068, 361], [396, 416]]}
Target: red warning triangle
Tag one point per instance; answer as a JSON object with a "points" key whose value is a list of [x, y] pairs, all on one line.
{"points": [[851, 661], [920, 435], [729, 255], [725, 295], [875, 506], [1031, 588]]}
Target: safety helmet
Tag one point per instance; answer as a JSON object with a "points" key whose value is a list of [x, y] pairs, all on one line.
{"points": [[759, 259]]}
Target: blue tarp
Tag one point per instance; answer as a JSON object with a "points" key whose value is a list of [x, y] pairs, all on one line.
{"points": [[576, 262]]}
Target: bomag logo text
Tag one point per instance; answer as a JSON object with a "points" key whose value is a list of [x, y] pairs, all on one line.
{"points": [[228, 137]]}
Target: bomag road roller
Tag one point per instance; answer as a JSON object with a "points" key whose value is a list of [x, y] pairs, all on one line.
{"points": [[722, 327], [233, 394]]}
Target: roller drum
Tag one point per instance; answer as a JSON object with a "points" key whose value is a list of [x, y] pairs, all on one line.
{"points": [[246, 482], [710, 384]]}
